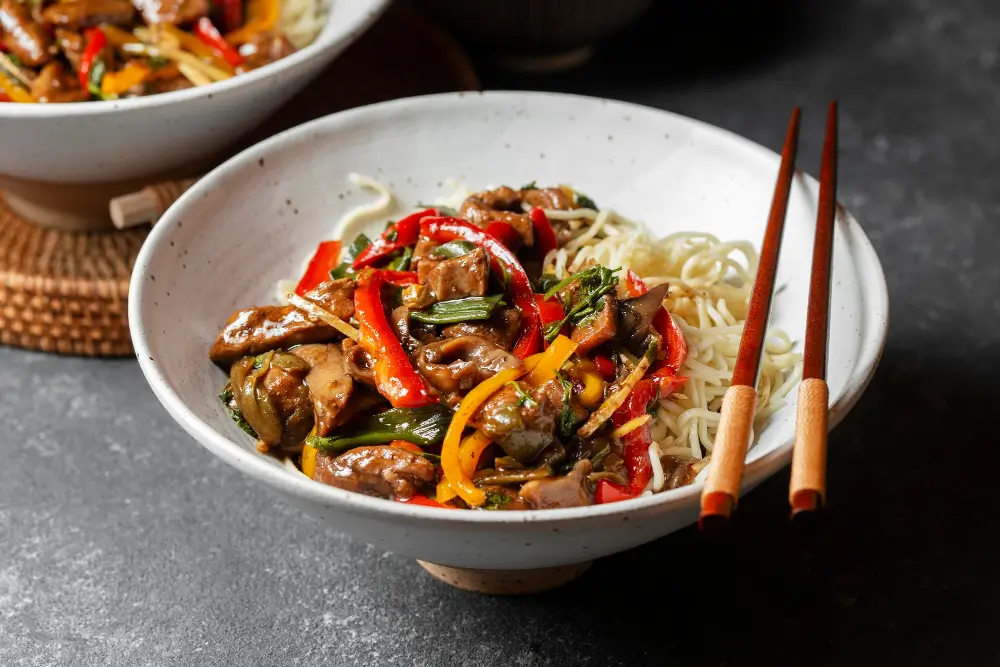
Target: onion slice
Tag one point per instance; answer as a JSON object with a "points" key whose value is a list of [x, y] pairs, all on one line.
{"points": [[321, 314]]}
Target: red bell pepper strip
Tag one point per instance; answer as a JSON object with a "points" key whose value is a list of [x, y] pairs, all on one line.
{"points": [[394, 376], [634, 284], [4, 98], [545, 236], [231, 12], [421, 499], [399, 235], [673, 339], [505, 233], [609, 492], [605, 367], [323, 261], [96, 41], [503, 262], [209, 35], [550, 311], [637, 442], [400, 277]]}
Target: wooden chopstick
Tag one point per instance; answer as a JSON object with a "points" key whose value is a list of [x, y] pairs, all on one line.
{"points": [[732, 438], [808, 486]]}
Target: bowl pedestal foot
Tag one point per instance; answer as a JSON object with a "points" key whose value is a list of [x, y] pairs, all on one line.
{"points": [[545, 64], [506, 582]]}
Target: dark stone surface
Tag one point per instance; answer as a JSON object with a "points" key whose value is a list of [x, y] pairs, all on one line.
{"points": [[123, 542]]}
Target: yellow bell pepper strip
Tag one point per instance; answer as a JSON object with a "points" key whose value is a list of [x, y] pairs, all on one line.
{"points": [[309, 460], [132, 74], [262, 16], [593, 390], [550, 361], [15, 92], [471, 450], [451, 459]]}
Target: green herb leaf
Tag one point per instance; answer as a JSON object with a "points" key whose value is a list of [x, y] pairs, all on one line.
{"points": [[524, 400], [495, 500], [471, 308], [593, 283], [452, 249], [343, 270], [446, 211], [583, 201], [533, 185], [546, 282], [567, 417], [421, 426]]}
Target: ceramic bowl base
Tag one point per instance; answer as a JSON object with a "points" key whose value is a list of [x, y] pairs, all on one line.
{"points": [[506, 582]]}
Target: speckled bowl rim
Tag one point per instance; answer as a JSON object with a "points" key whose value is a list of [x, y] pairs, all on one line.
{"points": [[341, 34], [871, 278]]}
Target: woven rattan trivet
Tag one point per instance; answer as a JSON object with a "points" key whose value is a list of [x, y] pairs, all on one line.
{"points": [[65, 292]]}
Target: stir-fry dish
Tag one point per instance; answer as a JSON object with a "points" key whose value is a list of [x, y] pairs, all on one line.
{"points": [[80, 50], [523, 350]]}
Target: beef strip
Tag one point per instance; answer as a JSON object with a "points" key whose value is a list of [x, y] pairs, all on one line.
{"points": [[597, 329], [264, 49], [254, 330], [522, 427], [459, 364], [55, 85], [548, 198], [500, 205], [422, 252], [565, 491], [457, 278], [81, 14], [330, 386], [72, 45], [381, 471], [22, 36], [502, 329], [176, 12]]}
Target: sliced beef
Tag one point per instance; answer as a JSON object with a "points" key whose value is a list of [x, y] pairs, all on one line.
{"points": [[549, 198], [522, 422], [329, 385], [554, 391], [363, 402], [264, 49], [597, 329], [54, 85], [358, 363], [81, 14], [22, 36], [387, 472], [459, 364], [502, 329], [262, 328], [500, 205], [422, 252], [71, 44], [566, 491], [176, 12], [273, 398], [457, 278]]}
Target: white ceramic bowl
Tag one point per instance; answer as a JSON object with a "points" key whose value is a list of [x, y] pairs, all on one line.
{"points": [[105, 142], [256, 218]]}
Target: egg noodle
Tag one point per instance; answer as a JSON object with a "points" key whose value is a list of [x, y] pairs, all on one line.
{"points": [[709, 291]]}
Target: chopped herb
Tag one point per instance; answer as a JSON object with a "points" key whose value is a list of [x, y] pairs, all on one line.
{"points": [[495, 500], [546, 282], [452, 249], [402, 261], [568, 419], [459, 310], [226, 396], [158, 62], [593, 283], [530, 186], [524, 400], [583, 201]]}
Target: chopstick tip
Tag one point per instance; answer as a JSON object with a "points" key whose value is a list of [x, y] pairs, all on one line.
{"points": [[716, 509]]}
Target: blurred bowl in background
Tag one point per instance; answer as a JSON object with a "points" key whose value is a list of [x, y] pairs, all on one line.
{"points": [[535, 35]]}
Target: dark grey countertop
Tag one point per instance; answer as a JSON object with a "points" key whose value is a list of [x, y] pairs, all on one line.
{"points": [[122, 542]]}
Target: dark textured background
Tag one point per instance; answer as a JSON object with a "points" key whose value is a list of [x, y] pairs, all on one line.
{"points": [[123, 542]]}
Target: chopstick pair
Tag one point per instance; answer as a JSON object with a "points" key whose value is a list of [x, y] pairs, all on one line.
{"points": [[808, 484]]}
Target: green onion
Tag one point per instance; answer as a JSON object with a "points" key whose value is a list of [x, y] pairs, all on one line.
{"points": [[594, 283], [402, 262], [459, 310], [524, 399], [452, 249], [421, 426], [530, 186], [343, 270]]}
